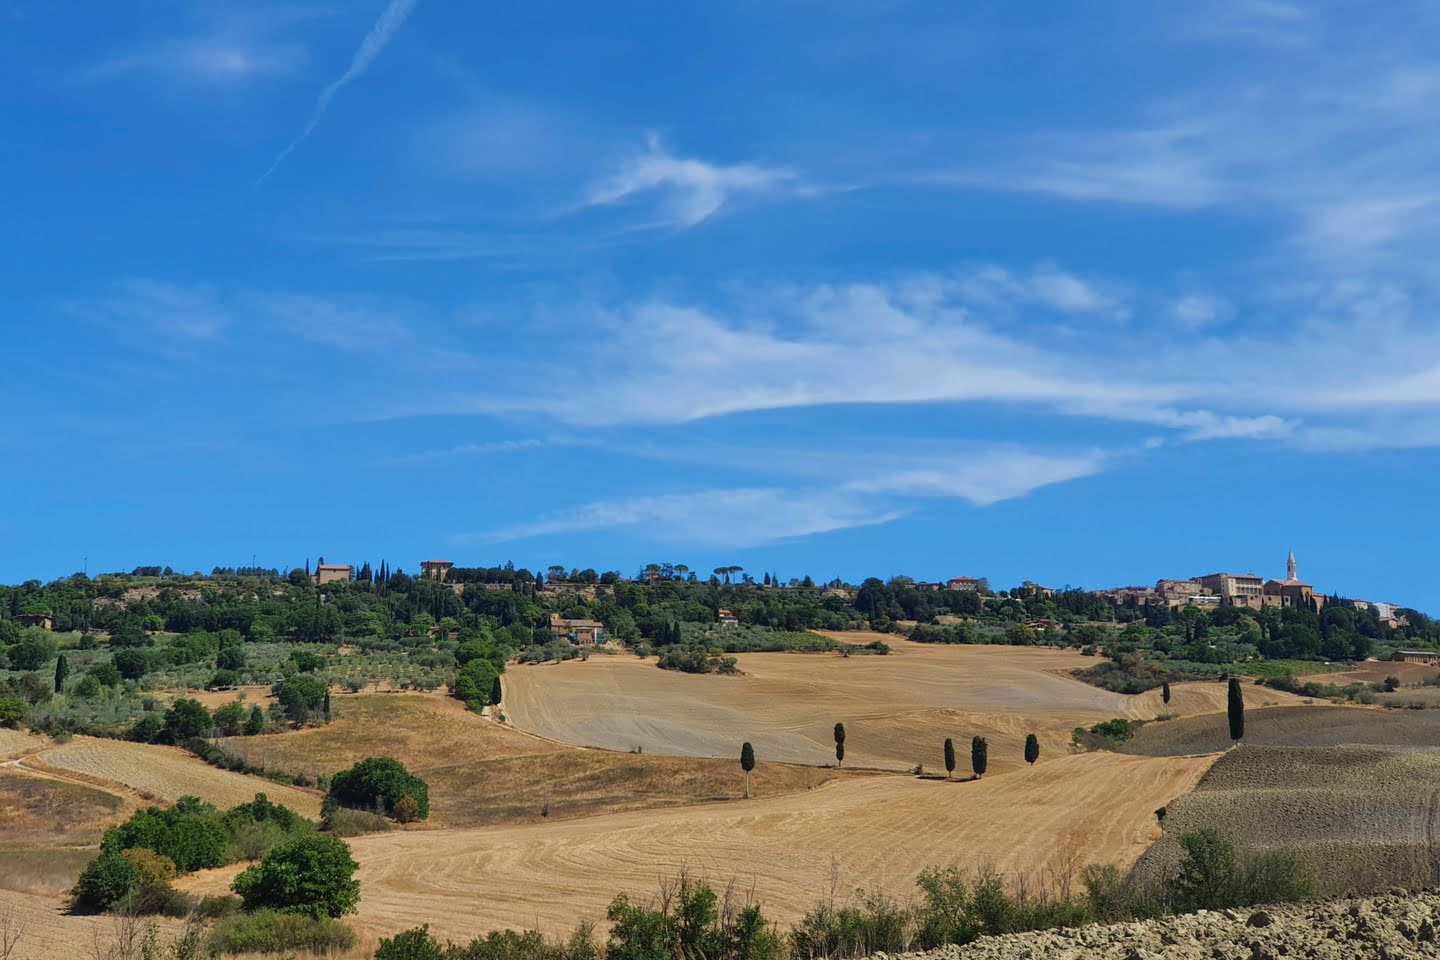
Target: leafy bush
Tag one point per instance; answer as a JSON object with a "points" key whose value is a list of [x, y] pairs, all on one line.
{"points": [[311, 875], [270, 931], [407, 810], [695, 660], [344, 822], [13, 712], [106, 881], [476, 682], [379, 783], [190, 834], [418, 944], [154, 868], [687, 923]]}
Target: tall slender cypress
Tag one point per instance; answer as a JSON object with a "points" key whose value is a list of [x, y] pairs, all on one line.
{"points": [[949, 758], [1236, 709]]}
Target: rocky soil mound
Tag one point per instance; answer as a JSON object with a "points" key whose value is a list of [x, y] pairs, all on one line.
{"points": [[1387, 927]]}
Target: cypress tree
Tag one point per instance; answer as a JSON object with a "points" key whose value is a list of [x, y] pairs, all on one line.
{"points": [[979, 756], [62, 670], [495, 691], [949, 758], [839, 744], [256, 722], [326, 705], [1165, 691], [747, 763], [1032, 748], [1236, 709]]}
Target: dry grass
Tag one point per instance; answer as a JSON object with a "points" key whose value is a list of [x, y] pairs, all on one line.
{"points": [[13, 743], [249, 694], [1375, 671], [871, 831], [35, 808], [164, 774], [420, 730], [897, 709]]}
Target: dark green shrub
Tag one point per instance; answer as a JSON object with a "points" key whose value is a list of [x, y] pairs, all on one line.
{"points": [[312, 875], [687, 923], [106, 881], [380, 783], [416, 944]]}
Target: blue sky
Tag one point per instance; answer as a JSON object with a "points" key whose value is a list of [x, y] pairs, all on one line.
{"points": [[1084, 293]]}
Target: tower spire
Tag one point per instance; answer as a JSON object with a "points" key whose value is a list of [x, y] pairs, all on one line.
{"points": [[1290, 567]]}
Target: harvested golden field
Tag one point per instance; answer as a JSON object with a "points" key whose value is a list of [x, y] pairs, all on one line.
{"points": [[47, 932], [582, 783], [897, 709], [420, 730], [876, 831], [164, 774]]}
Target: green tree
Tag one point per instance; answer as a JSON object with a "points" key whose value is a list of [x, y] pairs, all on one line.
{"points": [[184, 720], [496, 691], [1208, 878], [1236, 710], [1032, 748], [301, 696], [132, 663], [979, 755], [255, 723], [379, 782], [312, 875], [949, 758], [839, 744], [107, 880], [229, 718], [13, 712], [747, 763], [1165, 691], [62, 670], [476, 683]]}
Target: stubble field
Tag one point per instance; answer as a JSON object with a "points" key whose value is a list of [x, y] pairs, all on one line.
{"points": [[897, 709], [877, 832]]}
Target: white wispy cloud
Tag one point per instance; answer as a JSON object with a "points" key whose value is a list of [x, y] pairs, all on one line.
{"points": [[391, 19], [463, 450], [152, 308], [737, 517], [221, 47], [689, 190]]}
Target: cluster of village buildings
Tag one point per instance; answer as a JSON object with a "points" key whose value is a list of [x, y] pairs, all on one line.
{"points": [[1213, 589]]}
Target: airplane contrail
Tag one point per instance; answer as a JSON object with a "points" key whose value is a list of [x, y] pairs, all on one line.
{"points": [[390, 21]]}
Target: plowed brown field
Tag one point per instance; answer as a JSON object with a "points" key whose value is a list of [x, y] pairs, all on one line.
{"points": [[873, 832], [897, 709]]}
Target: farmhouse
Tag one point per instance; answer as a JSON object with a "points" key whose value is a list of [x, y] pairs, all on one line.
{"points": [[332, 572], [584, 633], [963, 583], [42, 620], [726, 618], [435, 569], [1430, 657]]}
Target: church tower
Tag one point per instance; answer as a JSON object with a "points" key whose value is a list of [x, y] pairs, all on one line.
{"points": [[1290, 567]]}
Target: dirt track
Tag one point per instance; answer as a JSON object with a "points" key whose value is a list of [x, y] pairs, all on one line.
{"points": [[897, 709], [873, 832]]}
